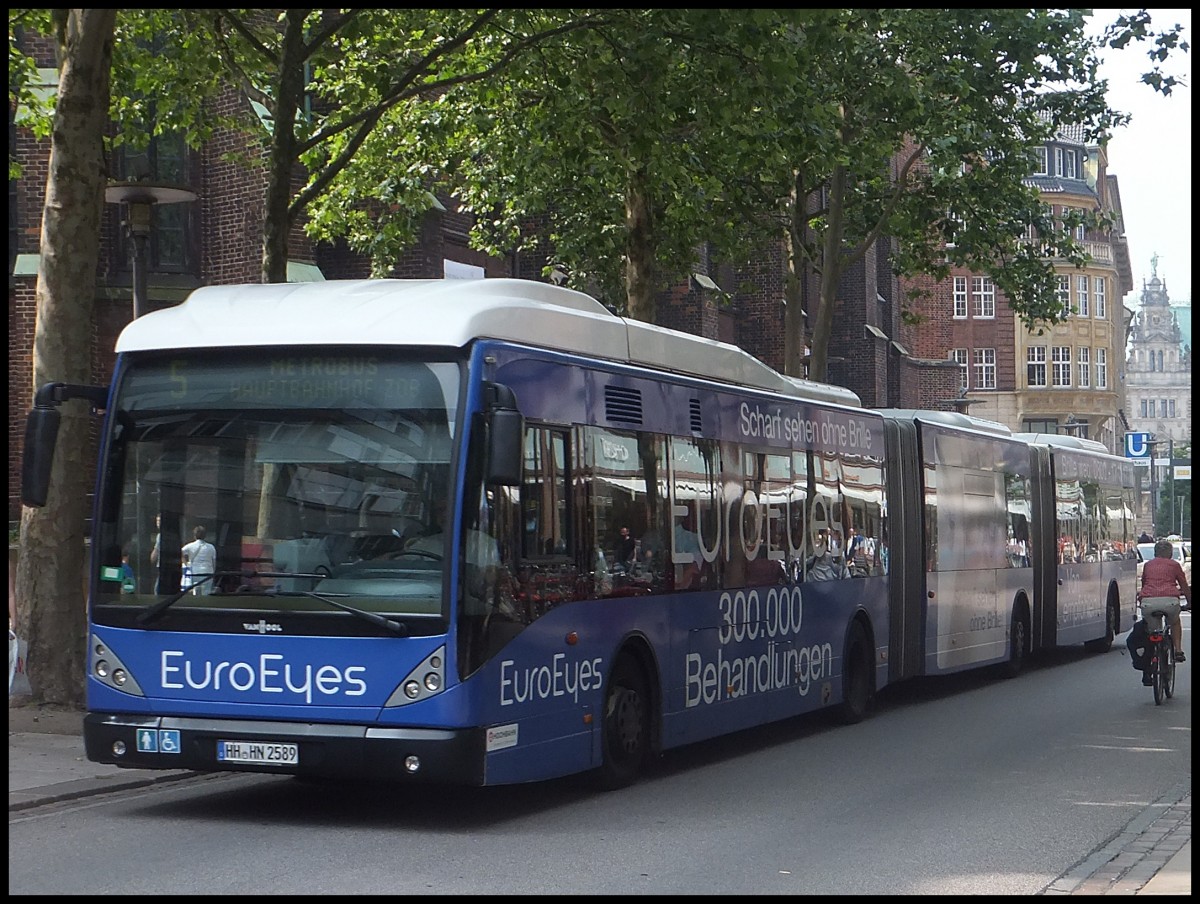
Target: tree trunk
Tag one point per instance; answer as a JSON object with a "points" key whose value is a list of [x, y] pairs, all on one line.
{"points": [[639, 250], [277, 219], [51, 607], [793, 289], [831, 275]]}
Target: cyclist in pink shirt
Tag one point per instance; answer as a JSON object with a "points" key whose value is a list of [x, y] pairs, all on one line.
{"points": [[1163, 576]]}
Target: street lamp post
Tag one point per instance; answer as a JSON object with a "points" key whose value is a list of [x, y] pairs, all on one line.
{"points": [[141, 198], [1072, 426], [1153, 444]]}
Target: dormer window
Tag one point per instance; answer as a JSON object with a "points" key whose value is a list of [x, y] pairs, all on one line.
{"points": [[1039, 161], [1065, 163]]}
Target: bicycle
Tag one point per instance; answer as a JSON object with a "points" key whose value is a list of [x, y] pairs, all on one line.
{"points": [[1161, 668]]}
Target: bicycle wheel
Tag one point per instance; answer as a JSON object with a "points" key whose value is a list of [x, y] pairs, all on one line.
{"points": [[1160, 673], [1169, 682]]}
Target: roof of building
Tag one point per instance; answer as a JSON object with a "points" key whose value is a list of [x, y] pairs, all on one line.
{"points": [[1072, 134], [1069, 133], [1059, 185]]}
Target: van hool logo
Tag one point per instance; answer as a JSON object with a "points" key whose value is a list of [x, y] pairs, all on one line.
{"points": [[263, 627]]}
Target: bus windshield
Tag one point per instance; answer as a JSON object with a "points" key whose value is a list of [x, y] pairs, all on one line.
{"points": [[276, 482]]}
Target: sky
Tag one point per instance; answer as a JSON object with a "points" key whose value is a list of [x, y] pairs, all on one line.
{"points": [[1152, 158]]}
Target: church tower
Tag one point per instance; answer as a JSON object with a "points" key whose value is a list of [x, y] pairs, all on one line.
{"points": [[1158, 373]]}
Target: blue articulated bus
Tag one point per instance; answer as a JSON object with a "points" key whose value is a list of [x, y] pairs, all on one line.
{"points": [[487, 531]]}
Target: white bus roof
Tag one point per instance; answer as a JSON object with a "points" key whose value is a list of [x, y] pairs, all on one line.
{"points": [[1061, 441], [448, 313], [948, 419]]}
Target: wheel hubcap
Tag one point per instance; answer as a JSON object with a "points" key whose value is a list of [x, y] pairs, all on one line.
{"points": [[627, 719]]}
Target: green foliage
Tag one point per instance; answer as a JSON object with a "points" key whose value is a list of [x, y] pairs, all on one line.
{"points": [[32, 101], [648, 137]]}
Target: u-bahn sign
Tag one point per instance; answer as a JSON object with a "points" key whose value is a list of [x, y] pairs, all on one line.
{"points": [[1137, 445]]}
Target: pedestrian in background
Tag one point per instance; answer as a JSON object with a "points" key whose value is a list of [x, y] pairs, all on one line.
{"points": [[201, 557]]}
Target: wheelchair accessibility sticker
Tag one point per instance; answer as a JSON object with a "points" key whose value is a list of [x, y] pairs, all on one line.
{"points": [[164, 740]]}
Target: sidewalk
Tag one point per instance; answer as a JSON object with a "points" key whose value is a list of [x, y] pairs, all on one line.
{"points": [[46, 763]]}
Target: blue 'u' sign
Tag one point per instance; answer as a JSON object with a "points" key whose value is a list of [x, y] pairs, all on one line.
{"points": [[1137, 445]]}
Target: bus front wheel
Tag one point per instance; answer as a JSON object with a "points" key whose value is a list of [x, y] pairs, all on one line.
{"points": [[625, 725]]}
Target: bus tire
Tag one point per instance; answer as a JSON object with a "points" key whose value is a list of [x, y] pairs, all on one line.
{"points": [[624, 725], [1019, 649], [1111, 614], [857, 688]]}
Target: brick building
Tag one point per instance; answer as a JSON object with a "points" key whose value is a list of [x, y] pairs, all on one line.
{"points": [[1066, 378]]}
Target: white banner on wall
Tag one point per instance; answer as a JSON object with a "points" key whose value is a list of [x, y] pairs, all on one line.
{"points": [[455, 270]]}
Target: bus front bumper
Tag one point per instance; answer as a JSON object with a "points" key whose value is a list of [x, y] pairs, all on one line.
{"points": [[371, 752]]}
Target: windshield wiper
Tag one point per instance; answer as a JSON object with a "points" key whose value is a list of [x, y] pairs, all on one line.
{"points": [[163, 605], [382, 621], [160, 607], [374, 618]]}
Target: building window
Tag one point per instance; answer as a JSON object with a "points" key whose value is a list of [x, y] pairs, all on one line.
{"points": [[1040, 425], [1081, 296], [1068, 159], [1035, 365], [1058, 161], [173, 230], [960, 297], [1085, 367], [1100, 287], [1162, 407], [983, 294], [1039, 161], [959, 357], [1143, 409], [1061, 355], [1102, 368], [985, 368], [1064, 295], [1170, 408]]}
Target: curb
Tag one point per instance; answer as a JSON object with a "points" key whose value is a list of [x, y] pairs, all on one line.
{"points": [[1132, 857], [89, 787]]}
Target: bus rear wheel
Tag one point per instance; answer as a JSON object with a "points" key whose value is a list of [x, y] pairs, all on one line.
{"points": [[856, 677], [1104, 644], [624, 726], [1019, 640]]}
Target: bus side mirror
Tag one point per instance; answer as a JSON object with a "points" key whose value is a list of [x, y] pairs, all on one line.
{"points": [[505, 437], [41, 436]]}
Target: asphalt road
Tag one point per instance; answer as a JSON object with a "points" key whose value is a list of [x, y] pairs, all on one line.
{"points": [[970, 785]]}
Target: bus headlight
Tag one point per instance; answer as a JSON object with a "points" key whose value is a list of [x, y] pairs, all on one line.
{"points": [[108, 669], [425, 680]]}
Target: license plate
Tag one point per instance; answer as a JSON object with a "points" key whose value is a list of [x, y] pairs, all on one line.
{"points": [[262, 753]]}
